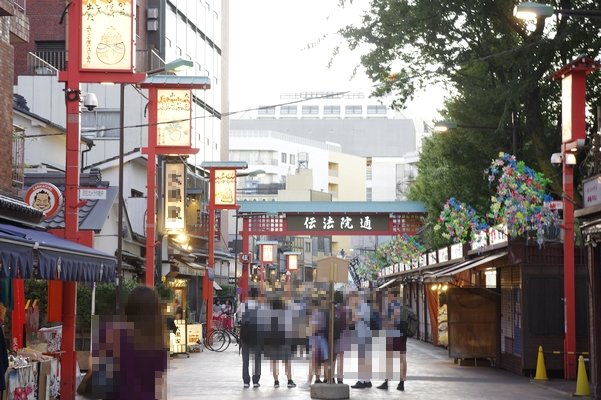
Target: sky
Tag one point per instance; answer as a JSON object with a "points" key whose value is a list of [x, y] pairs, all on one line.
{"points": [[284, 46]]}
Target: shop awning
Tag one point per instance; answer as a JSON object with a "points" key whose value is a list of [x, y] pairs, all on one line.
{"points": [[446, 274], [23, 248], [216, 286], [387, 283]]}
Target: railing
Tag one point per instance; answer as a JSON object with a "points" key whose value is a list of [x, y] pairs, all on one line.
{"points": [[18, 150], [46, 62], [20, 5], [49, 62]]}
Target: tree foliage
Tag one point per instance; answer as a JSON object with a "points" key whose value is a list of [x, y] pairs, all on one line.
{"points": [[498, 70]]}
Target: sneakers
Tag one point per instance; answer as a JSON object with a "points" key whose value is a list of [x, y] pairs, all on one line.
{"points": [[339, 380], [246, 385], [256, 385], [359, 385], [318, 381], [367, 384], [276, 384], [384, 385], [401, 386], [291, 383]]}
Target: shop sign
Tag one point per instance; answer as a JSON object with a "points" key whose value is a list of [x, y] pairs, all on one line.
{"points": [[432, 258], [498, 235], [107, 41], [225, 188], [422, 260], [194, 334], [174, 112], [456, 251], [92, 193], [328, 222], [231, 280], [443, 254], [592, 191], [175, 200], [45, 197]]}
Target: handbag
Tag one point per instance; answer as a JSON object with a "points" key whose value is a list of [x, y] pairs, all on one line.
{"points": [[96, 383]]}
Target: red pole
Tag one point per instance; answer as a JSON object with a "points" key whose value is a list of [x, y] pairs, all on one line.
{"points": [[569, 271], [207, 285], [243, 281], [151, 188], [72, 92]]}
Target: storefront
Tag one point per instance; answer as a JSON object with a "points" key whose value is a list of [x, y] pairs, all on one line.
{"points": [[27, 252]]}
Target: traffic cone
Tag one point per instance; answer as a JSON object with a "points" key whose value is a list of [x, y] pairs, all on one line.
{"points": [[541, 371], [582, 386]]}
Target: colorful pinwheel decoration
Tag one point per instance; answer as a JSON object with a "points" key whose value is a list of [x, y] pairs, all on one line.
{"points": [[460, 222], [521, 202]]}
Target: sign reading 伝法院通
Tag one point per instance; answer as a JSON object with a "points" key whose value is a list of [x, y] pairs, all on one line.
{"points": [[327, 222]]}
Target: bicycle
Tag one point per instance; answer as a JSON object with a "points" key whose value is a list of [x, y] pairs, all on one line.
{"points": [[220, 339], [223, 333]]}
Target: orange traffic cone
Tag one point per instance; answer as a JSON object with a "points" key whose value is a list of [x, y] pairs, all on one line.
{"points": [[582, 386], [541, 371]]}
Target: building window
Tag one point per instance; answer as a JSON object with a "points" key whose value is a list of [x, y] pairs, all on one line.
{"points": [[292, 159], [379, 109], [284, 158], [266, 110], [353, 110], [136, 193], [368, 194], [288, 110], [307, 247], [310, 110], [331, 110]]}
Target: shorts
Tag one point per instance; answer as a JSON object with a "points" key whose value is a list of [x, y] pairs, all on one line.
{"points": [[397, 343]]}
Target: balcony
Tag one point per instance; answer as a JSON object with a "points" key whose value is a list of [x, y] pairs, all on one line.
{"points": [[49, 62], [19, 23]]}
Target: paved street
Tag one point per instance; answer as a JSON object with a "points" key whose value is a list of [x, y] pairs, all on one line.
{"points": [[431, 375]]}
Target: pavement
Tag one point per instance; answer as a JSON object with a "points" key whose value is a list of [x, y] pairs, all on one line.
{"points": [[431, 375]]}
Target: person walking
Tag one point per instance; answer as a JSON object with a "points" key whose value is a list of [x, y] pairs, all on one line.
{"points": [[395, 324], [276, 346], [363, 328], [249, 341]]}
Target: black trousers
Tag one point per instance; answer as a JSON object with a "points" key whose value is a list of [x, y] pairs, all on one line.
{"points": [[247, 350]]}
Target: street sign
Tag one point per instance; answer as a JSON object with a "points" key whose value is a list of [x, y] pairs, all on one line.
{"points": [[92, 193], [245, 257]]}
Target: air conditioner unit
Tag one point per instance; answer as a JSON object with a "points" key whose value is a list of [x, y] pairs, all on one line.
{"points": [[152, 25], [152, 13]]}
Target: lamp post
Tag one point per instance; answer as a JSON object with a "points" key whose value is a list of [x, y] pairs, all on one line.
{"points": [[291, 266], [445, 126], [169, 132], [573, 133], [222, 195]]}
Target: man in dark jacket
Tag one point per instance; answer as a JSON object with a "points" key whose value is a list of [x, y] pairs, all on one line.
{"points": [[249, 324]]}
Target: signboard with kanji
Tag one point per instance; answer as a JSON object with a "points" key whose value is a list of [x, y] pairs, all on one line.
{"points": [[225, 188], [327, 222], [175, 199], [174, 110], [107, 41]]}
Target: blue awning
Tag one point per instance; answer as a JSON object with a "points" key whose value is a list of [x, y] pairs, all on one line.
{"points": [[55, 258]]}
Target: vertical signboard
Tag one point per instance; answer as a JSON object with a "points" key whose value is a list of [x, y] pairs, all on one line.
{"points": [[175, 198], [107, 41], [174, 112], [225, 188]]}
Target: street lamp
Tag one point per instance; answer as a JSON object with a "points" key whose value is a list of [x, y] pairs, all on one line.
{"points": [[173, 66], [445, 126], [530, 11]]}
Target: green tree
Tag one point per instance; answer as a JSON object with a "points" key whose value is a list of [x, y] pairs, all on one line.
{"points": [[493, 64]]}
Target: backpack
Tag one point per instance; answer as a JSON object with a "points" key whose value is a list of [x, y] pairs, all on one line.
{"points": [[408, 325], [248, 325]]}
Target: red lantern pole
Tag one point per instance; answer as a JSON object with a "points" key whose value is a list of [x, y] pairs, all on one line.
{"points": [[573, 130]]}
